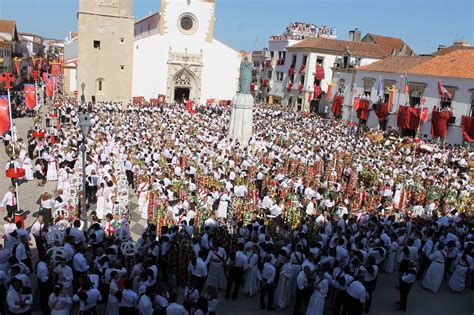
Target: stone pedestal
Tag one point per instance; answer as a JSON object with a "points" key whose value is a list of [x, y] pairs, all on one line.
{"points": [[241, 119]]}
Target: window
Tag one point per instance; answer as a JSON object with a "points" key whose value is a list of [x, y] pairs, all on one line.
{"points": [[446, 102], [272, 54], [122, 67], [415, 98], [319, 60], [122, 40], [269, 75], [279, 76], [284, 55], [97, 44], [368, 84], [293, 60], [341, 86], [305, 59], [472, 106], [100, 85]]}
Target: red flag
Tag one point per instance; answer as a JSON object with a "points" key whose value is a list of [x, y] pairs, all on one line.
{"points": [[49, 87], [30, 96], [328, 94], [17, 66], [424, 115], [4, 115], [54, 70], [390, 101], [356, 103], [443, 92]]}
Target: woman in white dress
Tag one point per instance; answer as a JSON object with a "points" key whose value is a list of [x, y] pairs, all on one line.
{"points": [[318, 298], [112, 302], [457, 282], [282, 292], [251, 272], [216, 260], [26, 164], [142, 199], [391, 262], [62, 179], [52, 173], [434, 274], [59, 303], [100, 206]]}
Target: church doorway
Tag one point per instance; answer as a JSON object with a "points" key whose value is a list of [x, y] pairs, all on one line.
{"points": [[181, 94]]}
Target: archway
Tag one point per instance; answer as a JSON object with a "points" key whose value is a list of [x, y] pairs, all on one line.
{"points": [[184, 86]]}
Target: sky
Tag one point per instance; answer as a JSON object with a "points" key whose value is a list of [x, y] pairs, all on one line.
{"points": [[247, 24]]}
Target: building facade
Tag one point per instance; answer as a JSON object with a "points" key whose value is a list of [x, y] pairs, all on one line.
{"points": [[453, 67], [105, 49], [176, 54], [302, 79], [9, 45]]}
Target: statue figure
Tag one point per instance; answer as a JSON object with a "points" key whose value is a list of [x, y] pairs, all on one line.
{"points": [[245, 76]]}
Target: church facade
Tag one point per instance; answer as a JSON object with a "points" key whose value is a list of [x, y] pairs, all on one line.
{"points": [[175, 54]]}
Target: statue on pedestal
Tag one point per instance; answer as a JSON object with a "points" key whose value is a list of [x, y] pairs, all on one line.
{"points": [[245, 76]]}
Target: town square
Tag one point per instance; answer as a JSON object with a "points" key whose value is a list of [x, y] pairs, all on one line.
{"points": [[182, 157]]}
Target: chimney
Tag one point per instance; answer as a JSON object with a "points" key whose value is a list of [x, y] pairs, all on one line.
{"points": [[354, 35], [462, 43]]}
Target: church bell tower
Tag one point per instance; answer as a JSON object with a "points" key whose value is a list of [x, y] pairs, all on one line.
{"points": [[105, 49]]}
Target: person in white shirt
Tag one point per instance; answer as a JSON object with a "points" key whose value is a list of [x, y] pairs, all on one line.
{"points": [[267, 283], [236, 262], [87, 298], [58, 303], [198, 269], [79, 262], [19, 299], [356, 296], [128, 300], [42, 273], [174, 308], [9, 202], [145, 305]]}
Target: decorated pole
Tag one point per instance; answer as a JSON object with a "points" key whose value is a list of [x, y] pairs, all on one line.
{"points": [[8, 78]]}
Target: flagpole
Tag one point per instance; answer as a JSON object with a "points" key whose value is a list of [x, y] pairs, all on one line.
{"points": [[14, 146]]}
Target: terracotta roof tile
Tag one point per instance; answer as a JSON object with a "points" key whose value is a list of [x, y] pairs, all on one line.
{"points": [[389, 44], [450, 49], [458, 63], [359, 49], [7, 26]]}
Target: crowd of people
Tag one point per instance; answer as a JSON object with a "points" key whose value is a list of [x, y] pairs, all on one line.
{"points": [[301, 30], [307, 215]]}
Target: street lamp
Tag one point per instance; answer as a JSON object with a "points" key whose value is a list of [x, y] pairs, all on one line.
{"points": [[85, 123], [83, 87]]}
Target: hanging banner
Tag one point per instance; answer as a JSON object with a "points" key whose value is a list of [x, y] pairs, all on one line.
{"points": [[467, 127], [328, 94], [4, 115], [30, 96], [49, 87], [356, 103], [337, 105], [17, 65], [439, 123], [424, 115]]}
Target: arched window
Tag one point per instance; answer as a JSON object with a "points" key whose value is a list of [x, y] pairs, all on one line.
{"points": [[99, 86]]}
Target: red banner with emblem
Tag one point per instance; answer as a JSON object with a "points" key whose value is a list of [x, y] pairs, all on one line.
{"points": [[4, 115], [408, 117], [439, 123], [467, 126], [337, 105], [30, 95]]}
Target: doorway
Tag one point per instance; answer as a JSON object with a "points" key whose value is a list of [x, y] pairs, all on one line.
{"points": [[181, 94]]}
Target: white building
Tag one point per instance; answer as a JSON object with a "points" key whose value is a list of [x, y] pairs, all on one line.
{"points": [[70, 64], [452, 66], [176, 54], [306, 73]]}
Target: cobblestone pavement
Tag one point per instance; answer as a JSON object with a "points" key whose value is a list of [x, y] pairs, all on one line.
{"points": [[420, 301]]}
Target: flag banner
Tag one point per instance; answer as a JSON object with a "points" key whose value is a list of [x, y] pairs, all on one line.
{"points": [[363, 111], [49, 87], [467, 126], [407, 86], [17, 66], [328, 94], [337, 105], [382, 111], [319, 72], [54, 69], [390, 101], [30, 95], [424, 115], [408, 117], [439, 123], [443, 92], [379, 86], [4, 115], [317, 92], [356, 103]]}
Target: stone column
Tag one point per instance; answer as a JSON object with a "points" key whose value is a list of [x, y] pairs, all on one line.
{"points": [[241, 119]]}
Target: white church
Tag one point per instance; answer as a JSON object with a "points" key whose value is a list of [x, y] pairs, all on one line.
{"points": [[175, 54]]}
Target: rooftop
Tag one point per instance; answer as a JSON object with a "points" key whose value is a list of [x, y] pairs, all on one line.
{"points": [[455, 63], [7, 26], [389, 44], [338, 46]]}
